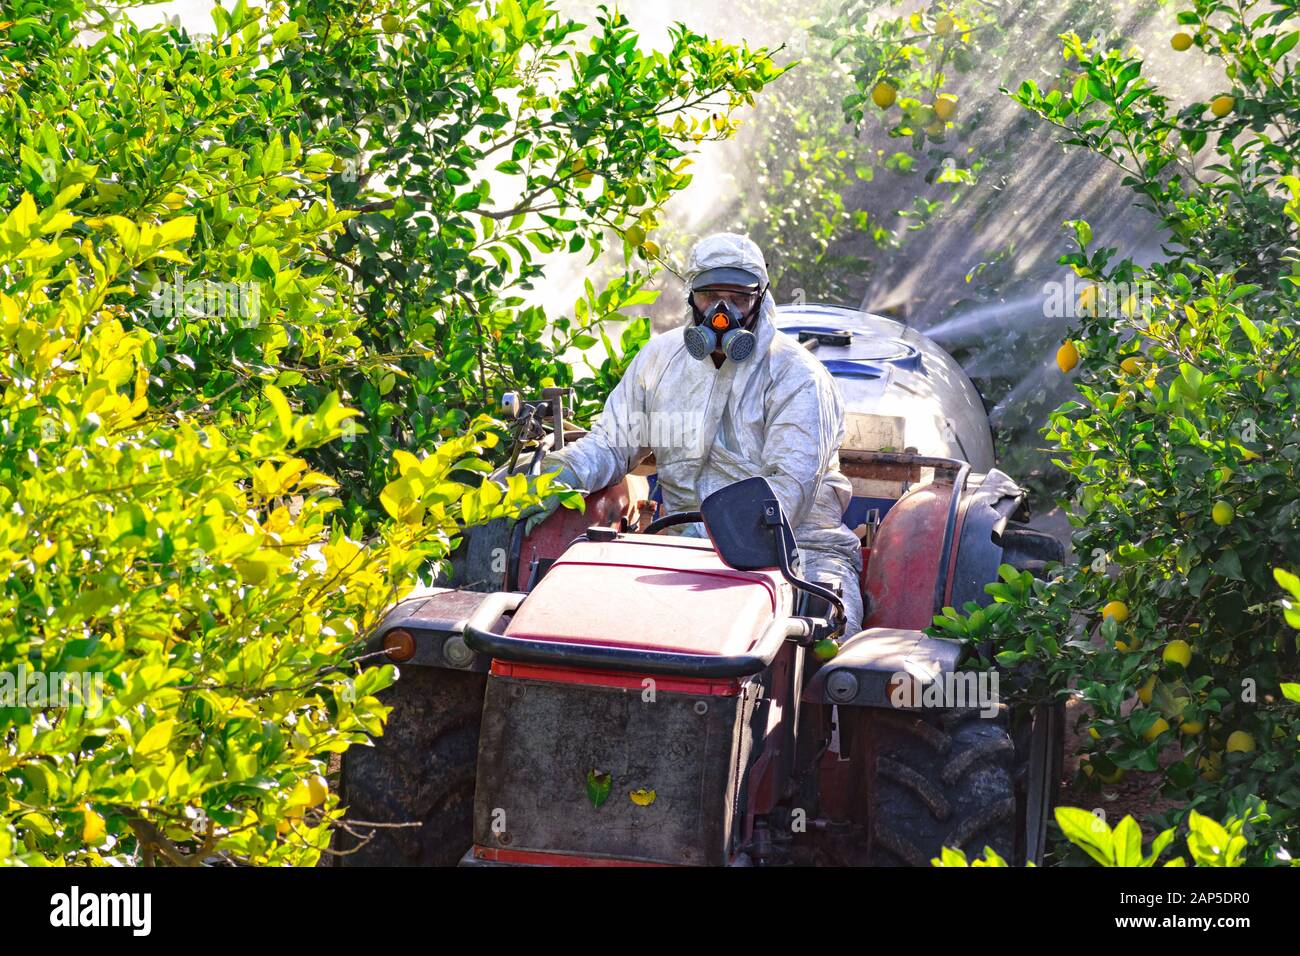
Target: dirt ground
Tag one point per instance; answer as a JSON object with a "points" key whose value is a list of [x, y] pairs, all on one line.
{"points": [[1136, 795]]}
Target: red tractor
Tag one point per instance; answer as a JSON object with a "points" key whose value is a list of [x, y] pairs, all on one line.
{"points": [[605, 692]]}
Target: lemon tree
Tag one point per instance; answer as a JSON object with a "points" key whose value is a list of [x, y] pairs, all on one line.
{"points": [[178, 581], [245, 337], [392, 195], [1183, 464]]}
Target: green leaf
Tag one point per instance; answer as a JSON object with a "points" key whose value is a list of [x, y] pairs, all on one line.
{"points": [[1088, 832], [598, 787], [1127, 843]]}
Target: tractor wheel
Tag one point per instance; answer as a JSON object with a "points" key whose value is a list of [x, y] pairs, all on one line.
{"points": [[1028, 549], [935, 781], [420, 771]]}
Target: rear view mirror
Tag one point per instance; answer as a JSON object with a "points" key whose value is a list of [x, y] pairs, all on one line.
{"points": [[745, 524]]}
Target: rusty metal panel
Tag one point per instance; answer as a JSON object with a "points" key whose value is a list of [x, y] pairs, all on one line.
{"points": [[674, 769], [905, 558]]}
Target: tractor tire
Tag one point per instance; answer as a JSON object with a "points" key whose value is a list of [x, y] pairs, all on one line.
{"points": [[1028, 549], [421, 771], [935, 781]]}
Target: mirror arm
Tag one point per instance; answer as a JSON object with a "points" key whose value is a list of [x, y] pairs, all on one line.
{"points": [[834, 627]]}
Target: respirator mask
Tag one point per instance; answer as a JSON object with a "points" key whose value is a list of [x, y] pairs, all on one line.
{"points": [[724, 304]]}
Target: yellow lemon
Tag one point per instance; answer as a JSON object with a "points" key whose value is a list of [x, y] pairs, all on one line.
{"points": [[1156, 729], [1146, 690], [1209, 765], [1131, 365], [1191, 727], [1180, 41], [318, 789], [1092, 732], [1067, 357], [1116, 609], [1222, 513], [635, 235], [92, 827], [1178, 652], [391, 23], [945, 106], [1240, 742], [1087, 300], [1221, 106], [883, 94]]}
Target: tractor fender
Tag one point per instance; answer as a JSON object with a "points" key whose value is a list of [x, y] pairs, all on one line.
{"points": [[908, 557], [867, 668], [989, 502], [435, 618]]}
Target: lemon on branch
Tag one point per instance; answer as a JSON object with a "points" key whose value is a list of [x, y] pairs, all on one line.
{"points": [[883, 94], [1156, 729], [1179, 652], [1147, 689], [1222, 513], [1116, 609], [1240, 742]]}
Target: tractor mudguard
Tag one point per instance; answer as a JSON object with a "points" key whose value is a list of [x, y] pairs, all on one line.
{"points": [[864, 673], [989, 502]]}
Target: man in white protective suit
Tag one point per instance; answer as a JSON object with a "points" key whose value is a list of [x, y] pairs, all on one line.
{"points": [[725, 398]]}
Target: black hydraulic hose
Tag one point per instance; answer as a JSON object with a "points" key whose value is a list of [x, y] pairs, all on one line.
{"points": [[949, 534], [517, 531], [520, 433]]}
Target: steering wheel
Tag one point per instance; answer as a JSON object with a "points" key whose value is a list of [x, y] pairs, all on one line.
{"points": [[668, 521]]}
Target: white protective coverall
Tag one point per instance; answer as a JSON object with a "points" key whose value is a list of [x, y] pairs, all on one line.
{"points": [[778, 414]]}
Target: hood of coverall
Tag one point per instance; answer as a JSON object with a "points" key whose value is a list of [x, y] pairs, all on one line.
{"points": [[730, 250]]}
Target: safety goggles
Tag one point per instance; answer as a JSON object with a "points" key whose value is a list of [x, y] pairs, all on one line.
{"points": [[707, 299]]}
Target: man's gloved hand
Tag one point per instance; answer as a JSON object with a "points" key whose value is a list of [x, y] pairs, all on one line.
{"points": [[534, 515]]}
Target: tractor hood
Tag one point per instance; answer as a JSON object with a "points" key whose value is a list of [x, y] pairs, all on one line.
{"points": [[651, 592]]}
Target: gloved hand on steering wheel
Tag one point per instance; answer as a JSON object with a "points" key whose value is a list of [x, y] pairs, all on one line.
{"points": [[534, 515]]}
